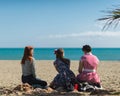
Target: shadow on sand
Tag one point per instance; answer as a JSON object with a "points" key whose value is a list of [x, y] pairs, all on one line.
{"points": [[7, 92]]}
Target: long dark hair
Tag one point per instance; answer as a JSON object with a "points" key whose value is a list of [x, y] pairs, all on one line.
{"points": [[27, 54]]}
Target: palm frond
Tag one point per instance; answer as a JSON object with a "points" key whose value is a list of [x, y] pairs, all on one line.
{"points": [[112, 18]]}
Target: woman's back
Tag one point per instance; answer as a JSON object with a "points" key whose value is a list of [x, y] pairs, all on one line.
{"points": [[89, 61], [27, 68], [61, 66], [89, 73]]}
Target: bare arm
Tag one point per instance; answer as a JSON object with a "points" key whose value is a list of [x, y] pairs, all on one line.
{"points": [[80, 67], [55, 66], [97, 61], [33, 68]]}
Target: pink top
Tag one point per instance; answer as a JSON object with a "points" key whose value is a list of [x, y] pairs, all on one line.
{"points": [[90, 61], [89, 74]]}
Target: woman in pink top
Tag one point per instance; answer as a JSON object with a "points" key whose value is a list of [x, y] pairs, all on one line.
{"points": [[88, 67]]}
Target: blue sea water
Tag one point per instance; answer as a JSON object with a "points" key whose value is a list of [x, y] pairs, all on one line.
{"points": [[48, 53]]}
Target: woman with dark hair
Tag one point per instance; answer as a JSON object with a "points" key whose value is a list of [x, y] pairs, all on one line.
{"points": [[88, 67], [28, 68], [65, 77]]}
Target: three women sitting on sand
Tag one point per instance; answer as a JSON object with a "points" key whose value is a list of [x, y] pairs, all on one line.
{"points": [[65, 77]]}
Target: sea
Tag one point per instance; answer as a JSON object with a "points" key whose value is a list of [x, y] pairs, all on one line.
{"points": [[105, 54]]}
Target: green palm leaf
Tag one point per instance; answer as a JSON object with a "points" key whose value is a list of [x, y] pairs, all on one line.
{"points": [[111, 19]]}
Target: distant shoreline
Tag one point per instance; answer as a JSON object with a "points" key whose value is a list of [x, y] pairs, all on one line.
{"points": [[60, 47], [70, 60]]}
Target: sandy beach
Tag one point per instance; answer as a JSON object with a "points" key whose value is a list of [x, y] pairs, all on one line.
{"points": [[10, 73]]}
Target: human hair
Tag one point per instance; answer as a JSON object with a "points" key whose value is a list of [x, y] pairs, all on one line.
{"points": [[27, 54], [86, 48], [60, 54]]}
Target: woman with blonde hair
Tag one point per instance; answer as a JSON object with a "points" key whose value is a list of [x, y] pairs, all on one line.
{"points": [[28, 68]]}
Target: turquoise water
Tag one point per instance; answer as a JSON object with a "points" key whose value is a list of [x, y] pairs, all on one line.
{"points": [[71, 53]]}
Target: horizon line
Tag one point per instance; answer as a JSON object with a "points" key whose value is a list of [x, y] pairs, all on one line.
{"points": [[56, 47]]}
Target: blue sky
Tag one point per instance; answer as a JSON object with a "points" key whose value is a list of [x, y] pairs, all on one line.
{"points": [[56, 23]]}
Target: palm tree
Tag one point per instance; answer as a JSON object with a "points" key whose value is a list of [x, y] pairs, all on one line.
{"points": [[112, 18]]}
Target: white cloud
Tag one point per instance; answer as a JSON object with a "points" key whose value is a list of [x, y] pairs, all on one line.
{"points": [[86, 34], [95, 39]]}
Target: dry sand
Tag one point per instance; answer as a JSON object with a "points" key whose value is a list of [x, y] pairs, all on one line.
{"points": [[10, 73]]}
